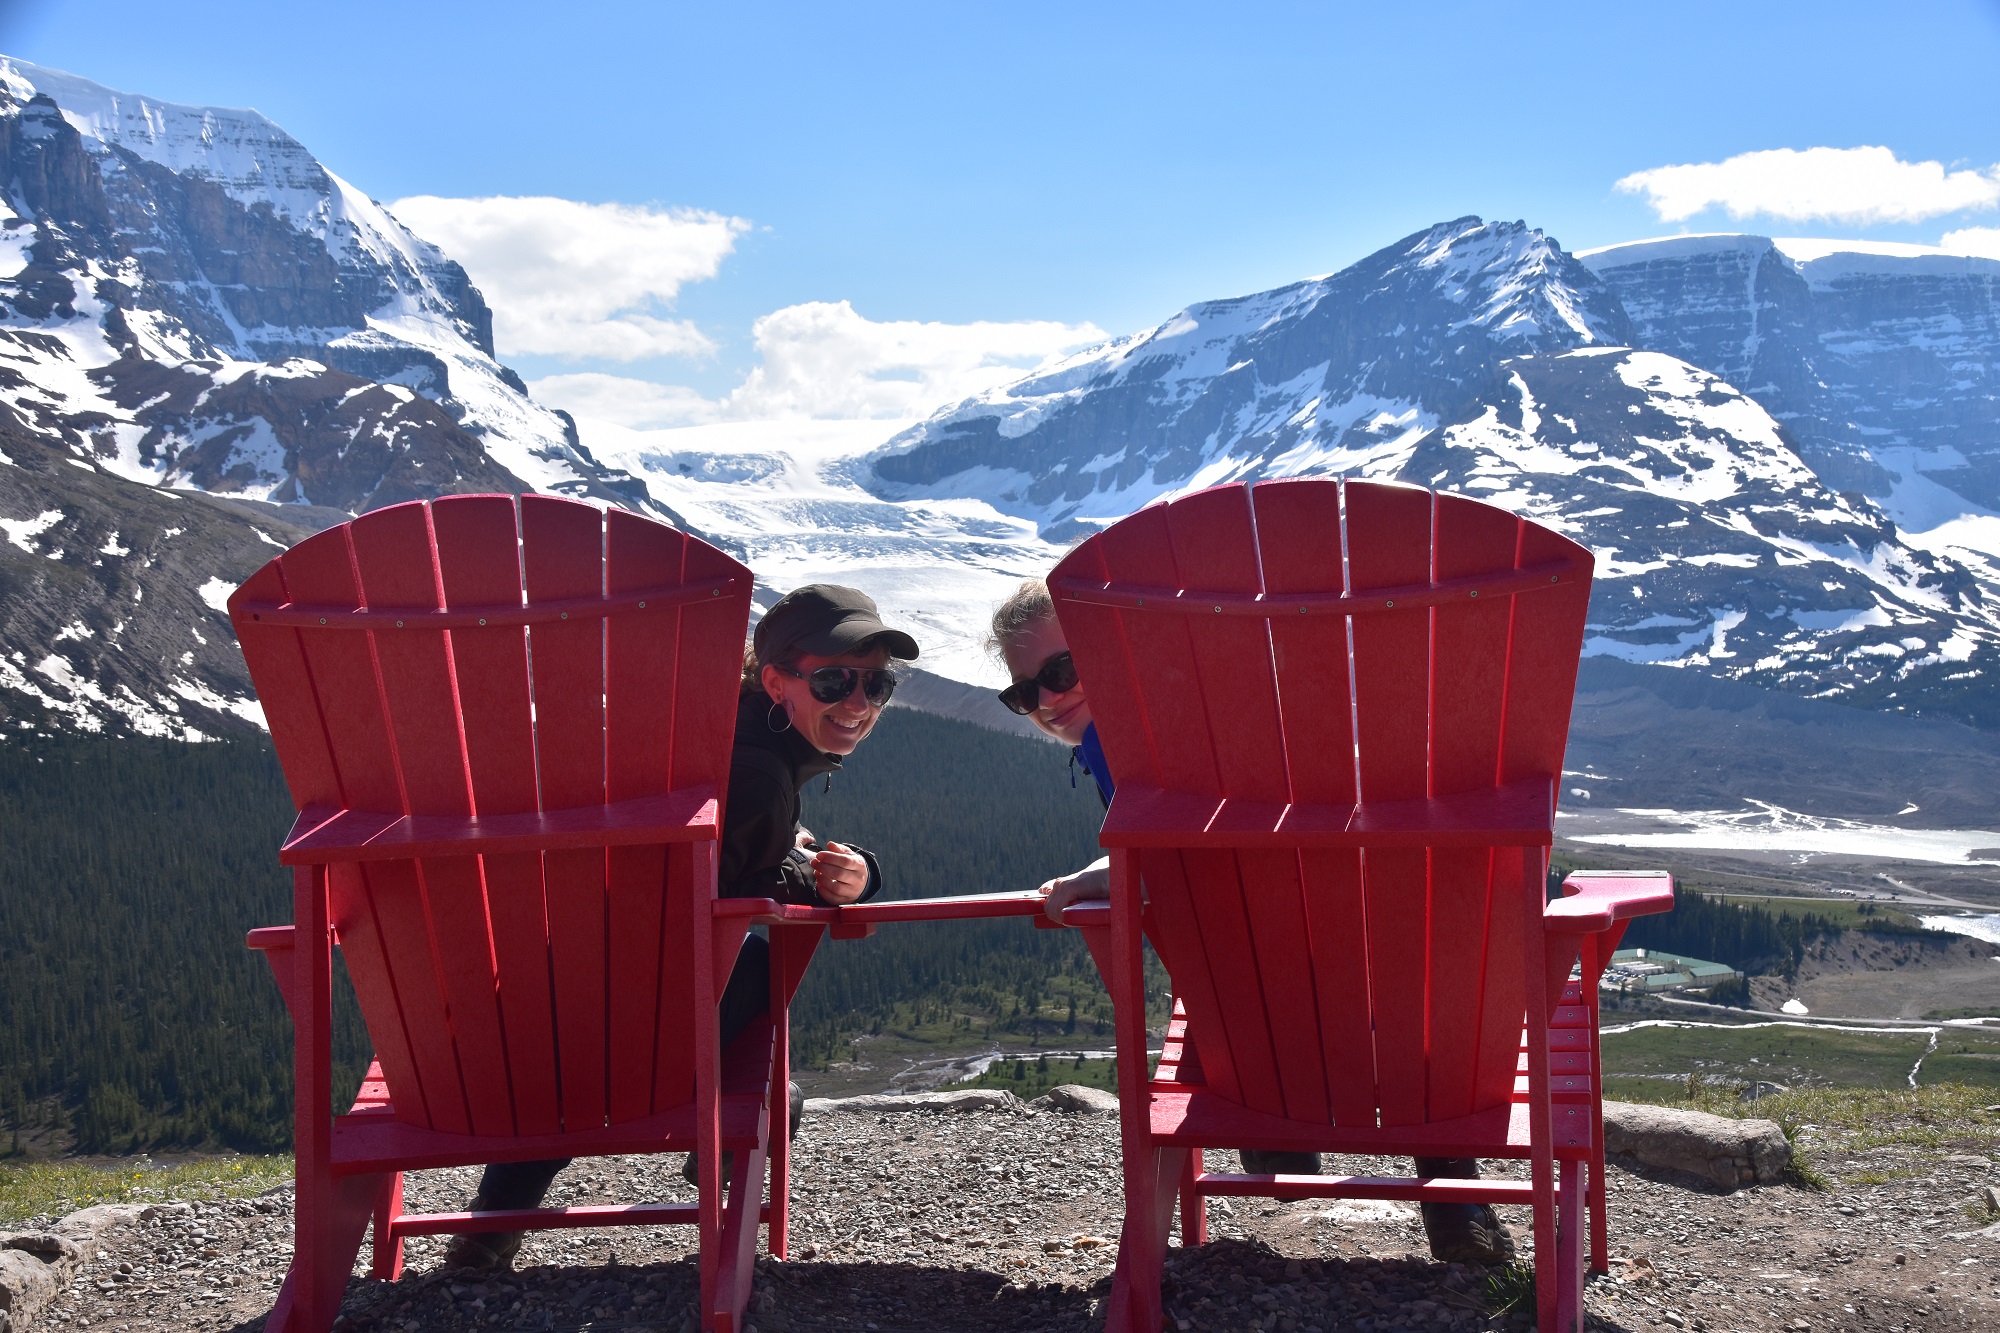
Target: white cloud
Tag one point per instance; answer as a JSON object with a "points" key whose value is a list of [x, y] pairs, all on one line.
{"points": [[824, 360], [1855, 185], [1981, 241], [624, 401], [579, 280]]}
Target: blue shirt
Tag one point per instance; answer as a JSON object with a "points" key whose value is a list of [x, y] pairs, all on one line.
{"points": [[1090, 754]]}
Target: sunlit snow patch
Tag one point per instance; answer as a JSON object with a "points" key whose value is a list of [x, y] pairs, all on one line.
{"points": [[216, 593], [1975, 927], [1771, 828]]}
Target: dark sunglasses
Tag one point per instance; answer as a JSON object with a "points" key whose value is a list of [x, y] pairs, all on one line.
{"points": [[1057, 676], [831, 684]]}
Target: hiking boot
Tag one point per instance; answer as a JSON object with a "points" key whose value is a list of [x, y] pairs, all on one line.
{"points": [[484, 1251], [1466, 1233], [1462, 1233]]}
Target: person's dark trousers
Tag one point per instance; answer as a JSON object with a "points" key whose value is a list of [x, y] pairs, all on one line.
{"points": [[747, 996]]}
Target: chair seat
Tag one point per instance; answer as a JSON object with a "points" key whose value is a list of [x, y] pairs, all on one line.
{"points": [[1184, 1112], [370, 1137]]}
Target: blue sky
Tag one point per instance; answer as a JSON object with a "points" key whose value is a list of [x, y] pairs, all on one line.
{"points": [[1039, 173]]}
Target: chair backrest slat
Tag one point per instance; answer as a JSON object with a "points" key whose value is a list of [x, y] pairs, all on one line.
{"points": [[711, 657], [1161, 654], [1371, 985], [477, 538], [518, 993], [1389, 546], [1254, 922], [394, 556], [1300, 552], [562, 557], [1468, 707]]}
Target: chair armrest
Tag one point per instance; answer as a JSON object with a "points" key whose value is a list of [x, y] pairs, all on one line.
{"points": [[1095, 914], [271, 937], [323, 835], [1596, 900], [956, 907]]}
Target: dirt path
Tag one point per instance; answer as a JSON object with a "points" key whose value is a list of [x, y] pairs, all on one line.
{"points": [[1000, 1221]]}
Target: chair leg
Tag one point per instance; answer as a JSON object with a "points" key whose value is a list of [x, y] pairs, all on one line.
{"points": [[1151, 1180], [1194, 1206], [1152, 1174], [331, 1214], [1569, 1249], [737, 1243], [1595, 952], [779, 1113], [388, 1256], [1600, 1245], [329, 1231]]}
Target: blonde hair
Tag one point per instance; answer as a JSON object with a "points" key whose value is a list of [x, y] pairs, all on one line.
{"points": [[1025, 606]]}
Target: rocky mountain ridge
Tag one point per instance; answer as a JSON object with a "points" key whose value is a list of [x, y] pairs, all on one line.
{"points": [[1880, 360], [1481, 358], [191, 306]]}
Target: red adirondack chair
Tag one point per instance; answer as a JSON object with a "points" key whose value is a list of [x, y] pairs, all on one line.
{"points": [[505, 725], [1336, 716]]}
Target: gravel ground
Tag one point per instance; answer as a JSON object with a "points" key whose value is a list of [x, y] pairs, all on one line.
{"points": [[1008, 1221]]}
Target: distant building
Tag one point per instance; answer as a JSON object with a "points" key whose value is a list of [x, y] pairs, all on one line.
{"points": [[1649, 971]]}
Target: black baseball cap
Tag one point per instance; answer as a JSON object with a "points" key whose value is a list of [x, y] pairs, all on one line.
{"points": [[826, 620]]}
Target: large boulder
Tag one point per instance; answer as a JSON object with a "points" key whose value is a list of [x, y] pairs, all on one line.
{"points": [[1729, 1152], [1079, 1100], [26, 1285], [36, 1265]]}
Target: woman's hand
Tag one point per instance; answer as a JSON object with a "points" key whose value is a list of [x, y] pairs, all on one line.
{"points": [[840, 875], [804, 839], [1091, 882]]}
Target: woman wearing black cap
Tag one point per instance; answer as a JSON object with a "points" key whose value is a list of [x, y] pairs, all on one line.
{"points": [[815, 677], [814, 681]]}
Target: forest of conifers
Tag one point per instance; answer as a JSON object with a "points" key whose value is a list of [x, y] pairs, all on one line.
{"points": [[132, 1016]]}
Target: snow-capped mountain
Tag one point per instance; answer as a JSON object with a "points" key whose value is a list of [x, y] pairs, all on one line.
{"points": [[1882, 360], [1314, 377], [1482, 358], [190, 307], [208, 236]]}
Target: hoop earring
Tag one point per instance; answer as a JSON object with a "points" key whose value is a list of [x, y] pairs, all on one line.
{"points": [[772, 712]]}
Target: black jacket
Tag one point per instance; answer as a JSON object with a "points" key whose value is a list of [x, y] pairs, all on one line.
{"points": [[760, 819]]}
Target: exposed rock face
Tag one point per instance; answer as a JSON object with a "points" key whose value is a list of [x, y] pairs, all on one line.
{"points": [[294, 432], [1718, 547], [1731, 1153], [1882, 365], [111, 598]]}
